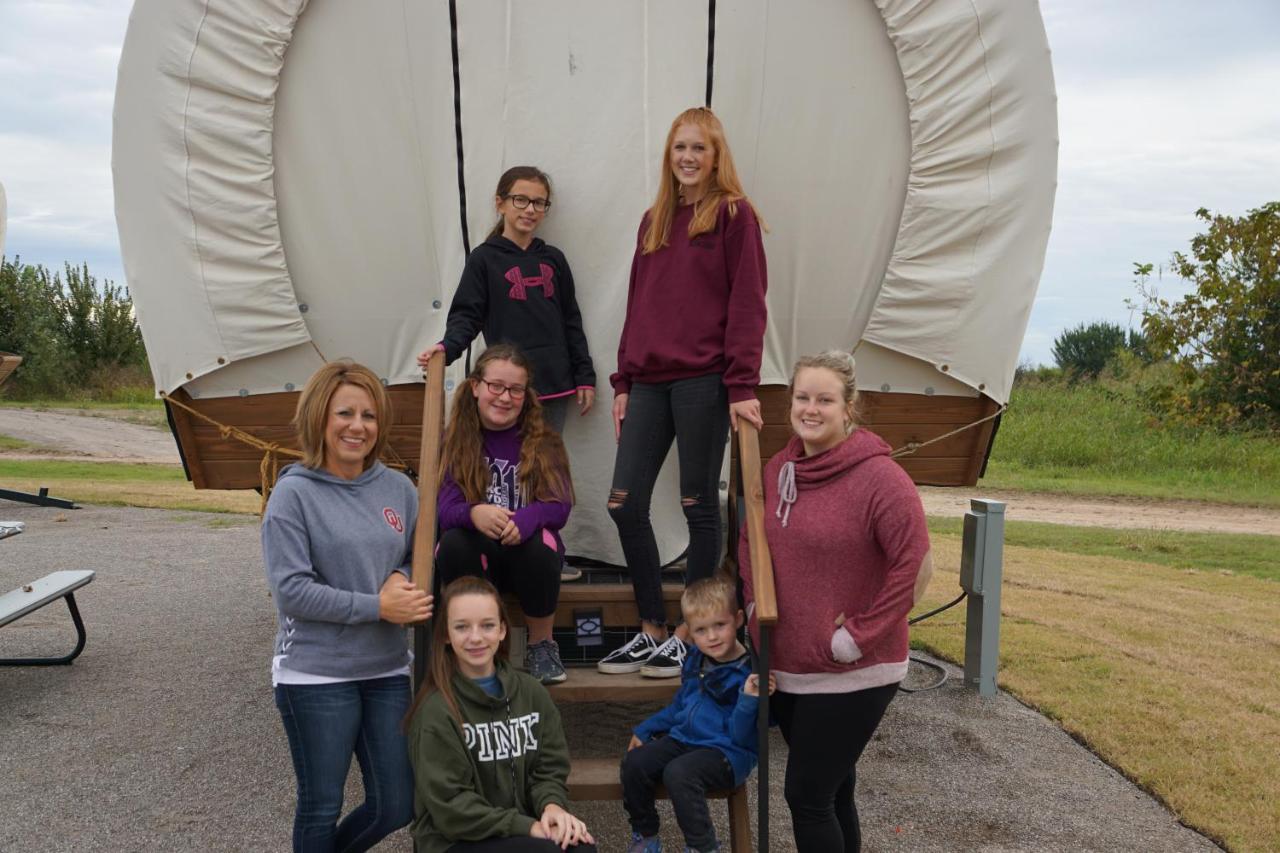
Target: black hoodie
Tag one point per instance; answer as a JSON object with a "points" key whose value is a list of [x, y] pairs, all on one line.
{"points": [[523, 297]]}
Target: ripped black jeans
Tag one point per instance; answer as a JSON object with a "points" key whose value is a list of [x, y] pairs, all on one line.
{"points": [[695, 413]]}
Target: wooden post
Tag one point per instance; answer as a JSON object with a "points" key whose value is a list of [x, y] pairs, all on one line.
{"points": [[766, 599], [424, 534], [766, 604]]}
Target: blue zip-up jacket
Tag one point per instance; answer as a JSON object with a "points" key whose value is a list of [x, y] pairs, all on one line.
{"points": [[711, 710]]}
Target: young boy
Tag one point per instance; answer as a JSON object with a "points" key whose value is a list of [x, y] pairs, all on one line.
{"points": [[706, 738]]}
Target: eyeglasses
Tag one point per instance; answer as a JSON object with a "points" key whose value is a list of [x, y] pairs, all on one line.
{"points": [[497, 389], [540, 205]]}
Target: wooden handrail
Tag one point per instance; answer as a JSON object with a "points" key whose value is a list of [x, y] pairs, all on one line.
{"points": [[424, 534], [766, 599]]}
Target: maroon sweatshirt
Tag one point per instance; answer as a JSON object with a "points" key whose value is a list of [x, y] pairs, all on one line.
{"points": [[697, 306], [850, 542]]}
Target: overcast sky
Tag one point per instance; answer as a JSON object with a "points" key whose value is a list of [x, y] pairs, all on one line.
{"points": [[1164, 106]]}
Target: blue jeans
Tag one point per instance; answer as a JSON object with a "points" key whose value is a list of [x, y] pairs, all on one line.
{"points": [[695, 414], [326, 724]]}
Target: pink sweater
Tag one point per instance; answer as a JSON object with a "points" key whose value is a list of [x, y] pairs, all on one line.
{"points": [[852, 543]]}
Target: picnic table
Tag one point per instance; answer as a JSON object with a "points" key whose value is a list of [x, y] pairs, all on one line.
{"points": [[30, 597]]}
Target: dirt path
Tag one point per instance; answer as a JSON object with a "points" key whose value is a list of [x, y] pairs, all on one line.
{"points": [[1122, 513], [58, 435]]}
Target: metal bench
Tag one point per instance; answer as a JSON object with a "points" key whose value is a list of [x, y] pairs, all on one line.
{"points": [[31, 597]]}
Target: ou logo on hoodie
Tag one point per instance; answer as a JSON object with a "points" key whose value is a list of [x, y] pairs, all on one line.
{"points": [[393, 518]]}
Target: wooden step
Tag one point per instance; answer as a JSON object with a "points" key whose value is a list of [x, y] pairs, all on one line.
{"points": [[598, 779], [588, 684], [616, 600]]}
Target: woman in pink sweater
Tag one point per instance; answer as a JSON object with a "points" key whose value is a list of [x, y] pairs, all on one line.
{"points": [[849, 548]]}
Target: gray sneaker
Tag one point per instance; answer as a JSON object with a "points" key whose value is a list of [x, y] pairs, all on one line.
{"points": [[542, 661]]}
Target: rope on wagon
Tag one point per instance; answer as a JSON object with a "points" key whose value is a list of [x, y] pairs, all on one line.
{"points": [[912, 446], [268, 468]]}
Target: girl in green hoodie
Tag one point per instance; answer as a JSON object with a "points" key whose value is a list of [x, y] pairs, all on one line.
{"points": [[489, 757]]}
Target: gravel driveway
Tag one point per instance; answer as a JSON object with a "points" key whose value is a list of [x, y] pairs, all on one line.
{"points": [[102, 439], [163, 734]]}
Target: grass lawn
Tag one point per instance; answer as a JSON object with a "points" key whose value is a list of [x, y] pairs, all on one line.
{"points": [[1090, 440], [122, 484], [1169, 673], [1258, 556], [8, 442]]}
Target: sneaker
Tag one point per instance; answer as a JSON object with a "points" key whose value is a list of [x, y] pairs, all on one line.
{"points": [[640, 844], [630, 657], [542, 661], [569, 573], [667, 659]]}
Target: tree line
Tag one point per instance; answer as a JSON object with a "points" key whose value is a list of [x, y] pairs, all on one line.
{"points": [[1211, 358], [78, 338]]}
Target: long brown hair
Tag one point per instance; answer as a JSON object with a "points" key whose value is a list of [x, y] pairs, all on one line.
{"points": [[544, 464], [444, 664], [508, 180], [724, 184], [312, 414]]}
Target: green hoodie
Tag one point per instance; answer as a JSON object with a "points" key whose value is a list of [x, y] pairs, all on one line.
{"points": [[492, 777]]}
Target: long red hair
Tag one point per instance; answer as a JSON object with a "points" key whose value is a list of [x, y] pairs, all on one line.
{"points": [[544, 464], [723, 185]]}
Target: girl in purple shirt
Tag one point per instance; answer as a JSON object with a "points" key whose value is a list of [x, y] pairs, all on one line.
{"points": [[505, 492]]}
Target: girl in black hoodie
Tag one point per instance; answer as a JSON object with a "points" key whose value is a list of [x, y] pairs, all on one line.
{"points": [[519, 290]]}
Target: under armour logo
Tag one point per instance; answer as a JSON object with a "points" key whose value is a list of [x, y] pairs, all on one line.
{"points": [[519, 282]]}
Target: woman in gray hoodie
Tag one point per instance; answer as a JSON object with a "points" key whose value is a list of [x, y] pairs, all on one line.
{"points": [[336, 541]]}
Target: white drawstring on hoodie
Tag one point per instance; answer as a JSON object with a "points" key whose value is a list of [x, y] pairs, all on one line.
{"points": [[786, 491]]}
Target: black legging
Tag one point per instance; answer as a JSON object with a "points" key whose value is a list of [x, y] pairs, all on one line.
{"points": [[530, 569], [825, 735], [694, 413]]}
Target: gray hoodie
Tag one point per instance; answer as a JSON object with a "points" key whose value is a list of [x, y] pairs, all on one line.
{"points": [[329, 544]]}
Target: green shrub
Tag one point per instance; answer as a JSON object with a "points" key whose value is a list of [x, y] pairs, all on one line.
{"points": [[1224, 337], [76, 338], [1084, 351]]}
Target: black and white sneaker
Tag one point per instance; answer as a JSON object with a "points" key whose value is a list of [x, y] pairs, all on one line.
{"points": [[630, 657], [667, 659]]}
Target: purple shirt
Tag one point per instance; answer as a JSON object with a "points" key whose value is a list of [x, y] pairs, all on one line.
{"points": [[502, 453]]}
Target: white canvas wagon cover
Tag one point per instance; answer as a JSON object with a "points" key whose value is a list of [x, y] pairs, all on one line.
{"points": [[291, 176]]}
